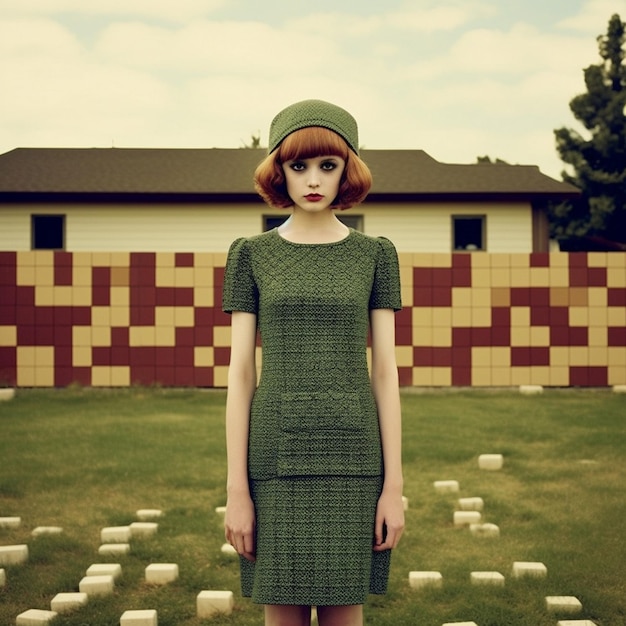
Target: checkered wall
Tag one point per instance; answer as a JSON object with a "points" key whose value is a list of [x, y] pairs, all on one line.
{"points": [[119, 319]]}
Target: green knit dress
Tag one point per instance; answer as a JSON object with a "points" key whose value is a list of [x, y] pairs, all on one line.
{"points": [[314, 456]]}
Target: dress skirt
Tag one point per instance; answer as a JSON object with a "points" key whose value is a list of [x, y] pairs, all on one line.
{"points": [[314, 541]]}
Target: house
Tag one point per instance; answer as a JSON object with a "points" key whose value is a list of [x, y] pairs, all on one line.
{"points": [[112, 261], [201, 199]]}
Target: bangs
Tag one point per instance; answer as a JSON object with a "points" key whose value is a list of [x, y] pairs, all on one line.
{"points": [[311, 142]]}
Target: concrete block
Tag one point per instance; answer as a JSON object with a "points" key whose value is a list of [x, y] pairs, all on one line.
{"points": [[161, 573], [619, 388], [417, 580], [490, 462], [144, 515], [46, 530], [471, 504], [575, 622], [66, 602], [465, 518], [97, 585], [530, 390], [146, 617], [115, 534], [485, 530], [13, 555], [446, 486], [34, 617], [208, 603], [487, 578], [405, 503], [460, 624], [228, 549], [563, 604], [220, 510], [105, 569], [143, 529], [114, 549], [522, 569], [3, 578], [10, 522], [7, 393]]}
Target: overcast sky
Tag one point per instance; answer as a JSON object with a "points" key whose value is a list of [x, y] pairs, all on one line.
{"points": [[456, 78]]}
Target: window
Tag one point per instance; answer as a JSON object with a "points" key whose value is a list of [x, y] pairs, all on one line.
{"points": [[351, 221], [48, 232], [468, 232]]}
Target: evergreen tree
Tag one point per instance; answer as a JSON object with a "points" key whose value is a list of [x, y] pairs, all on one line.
{"points": [[598, 162]]}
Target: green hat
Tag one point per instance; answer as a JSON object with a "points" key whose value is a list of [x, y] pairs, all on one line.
{"points": [[314, 113]]}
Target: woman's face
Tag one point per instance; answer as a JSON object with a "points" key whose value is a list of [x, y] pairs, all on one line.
{"points": [[313, 183]]}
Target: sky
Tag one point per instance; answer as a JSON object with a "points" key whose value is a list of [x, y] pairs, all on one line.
{"points": [[457, 78]]}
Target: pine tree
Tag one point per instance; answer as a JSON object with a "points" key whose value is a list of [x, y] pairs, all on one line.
{"points": [[599, 161]]}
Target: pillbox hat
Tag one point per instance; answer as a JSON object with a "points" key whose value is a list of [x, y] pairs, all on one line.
{"points": [[314, 113]]}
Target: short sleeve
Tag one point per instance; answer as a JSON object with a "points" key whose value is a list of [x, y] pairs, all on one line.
{"points": [[240, 291], [386, 293]]}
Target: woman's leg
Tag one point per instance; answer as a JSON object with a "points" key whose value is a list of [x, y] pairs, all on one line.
{"points": [[287, 615], [350, 615]]}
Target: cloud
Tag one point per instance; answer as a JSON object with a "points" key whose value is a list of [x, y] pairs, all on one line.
{"points": [[594, 16]]}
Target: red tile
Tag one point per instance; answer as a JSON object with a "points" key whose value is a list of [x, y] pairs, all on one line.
{"points": [[442, 276], [165, 296], [8, 262], [559, 316], [203, 336], [578, 336], [142, 375], [442, 296], [461, 337], [8, 360], [596, 276], [616, 296], [101, 277], [598, 376], [422, 277], [165, 375], [63, 316], [404, 317], [25, 315], [404, 336], [120, 336], [101, 356], [481, 336], [540, 316], [461, 260], [500, 317], [529, 356], [183, 296], [559, 336], [405, 376], [501, 336], [520, 296], [422, 296], [63, 337], [183, 259], [62, 275], [184, 356], [539, 296], [578, 277], [577, 259], [462, 277], [81, 376], [81, 316], [184, 377], [462, 376], [63, 376], [221, 356], [203, 377], [143, 259], [422, 356], [120, 355], [100, 295], [461, 357], [142, 357], [539, 259], [218, 276], [165, 356], [63, 259], [441, 357], [578, 376], [25, 296], [220, 318], [203, 316], [617, 336], [185, 337], [44, 335]]}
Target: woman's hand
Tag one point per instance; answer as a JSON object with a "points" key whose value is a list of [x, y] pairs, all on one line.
{"points": [[239, 524], [389, 522]]}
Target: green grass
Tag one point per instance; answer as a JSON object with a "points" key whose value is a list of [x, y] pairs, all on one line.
{"points": [[84, 459]]}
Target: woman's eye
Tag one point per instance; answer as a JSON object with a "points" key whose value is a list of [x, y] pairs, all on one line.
{"points": [[328, 165], [297, 166]]}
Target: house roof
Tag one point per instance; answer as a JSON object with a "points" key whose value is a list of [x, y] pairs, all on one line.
{"points": [[25, 172]]}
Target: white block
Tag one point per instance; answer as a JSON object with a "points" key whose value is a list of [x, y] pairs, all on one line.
{"points": [[487, 578], [114, 549], [65, 602], [405, 503], [530, 389], [105, 569], [460, 624], [471, 504], [3, 578], [34, 617], [13, 555], [97, 585], [575, 622], [161, 573], [417, 580], [143, 529], [209, 603], [522, 569], [146, 617], [47, 530], [446, 486], [220, 510], [563, 604], [490, 461], [619, 388], [484, 530], [7, 393], [228, 549], [115, 534], [463, 518], [143, 515], [10, 522]]}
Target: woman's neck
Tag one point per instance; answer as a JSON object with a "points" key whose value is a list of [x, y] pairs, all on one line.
{"points": [[304, 227]]}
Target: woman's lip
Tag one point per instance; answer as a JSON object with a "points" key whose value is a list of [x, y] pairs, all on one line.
{"points": [[314, 197]]}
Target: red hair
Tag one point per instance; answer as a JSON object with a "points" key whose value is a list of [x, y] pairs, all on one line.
{"points": [[306, 143]]}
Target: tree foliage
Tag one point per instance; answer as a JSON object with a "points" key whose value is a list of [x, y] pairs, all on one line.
{"points": [[598, 162]]}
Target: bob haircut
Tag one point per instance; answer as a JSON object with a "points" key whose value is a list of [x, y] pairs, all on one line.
{"points": [[307, 143]]}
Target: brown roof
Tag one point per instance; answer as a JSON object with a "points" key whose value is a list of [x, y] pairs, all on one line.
{"points": [[223, 172]]}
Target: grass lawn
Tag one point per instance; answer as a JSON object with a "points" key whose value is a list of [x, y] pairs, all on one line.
{"points": [[85, 459]]}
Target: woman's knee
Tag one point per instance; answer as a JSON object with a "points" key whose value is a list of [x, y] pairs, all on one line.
{"points": [[287, 615]]}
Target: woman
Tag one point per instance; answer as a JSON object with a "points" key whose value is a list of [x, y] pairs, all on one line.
{"points": [[314, 470]]}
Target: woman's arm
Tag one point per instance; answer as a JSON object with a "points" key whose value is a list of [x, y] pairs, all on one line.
{"points": [[240, 520], [385, 386]]}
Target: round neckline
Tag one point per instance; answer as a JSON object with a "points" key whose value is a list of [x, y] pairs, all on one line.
{"points": [[313, 244]]}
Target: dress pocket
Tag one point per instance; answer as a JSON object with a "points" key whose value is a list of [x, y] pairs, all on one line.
{"points": [[327, 433]]}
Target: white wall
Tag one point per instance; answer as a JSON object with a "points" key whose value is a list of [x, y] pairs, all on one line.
{"points": [[203, 228]]}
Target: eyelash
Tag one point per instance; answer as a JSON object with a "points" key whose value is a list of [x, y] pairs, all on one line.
{"points": [[326, 166]]}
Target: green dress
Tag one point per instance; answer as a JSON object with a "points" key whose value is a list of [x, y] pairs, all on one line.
{"points": [[314, 456]]}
